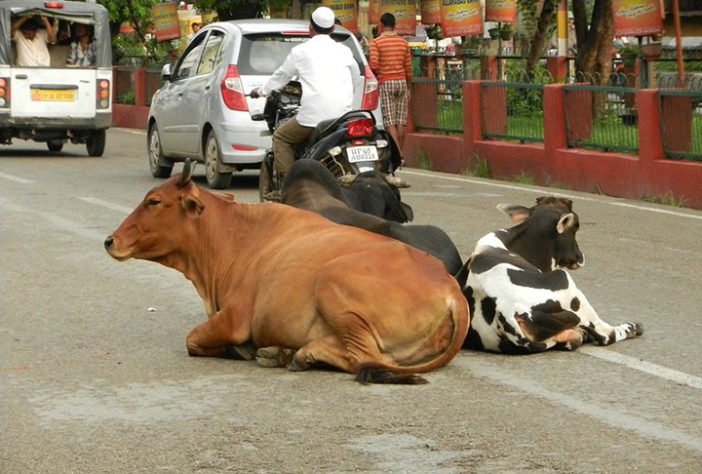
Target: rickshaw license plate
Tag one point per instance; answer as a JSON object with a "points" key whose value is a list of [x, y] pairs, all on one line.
{"points": [[50, 95], [356, 154]]}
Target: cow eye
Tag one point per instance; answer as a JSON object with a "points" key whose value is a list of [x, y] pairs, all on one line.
{"points": [[153, 202]]}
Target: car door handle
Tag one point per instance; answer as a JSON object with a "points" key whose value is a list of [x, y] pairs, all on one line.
{"points": [[21, 76]]}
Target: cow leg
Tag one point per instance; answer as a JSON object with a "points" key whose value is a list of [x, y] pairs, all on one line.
{"points": [[329, 350], [596, 330], [212, 338]]}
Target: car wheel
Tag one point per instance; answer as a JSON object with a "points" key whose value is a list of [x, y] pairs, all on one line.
{"points": [[54, 145], [215, 177], [156, 159], [96, 143]]}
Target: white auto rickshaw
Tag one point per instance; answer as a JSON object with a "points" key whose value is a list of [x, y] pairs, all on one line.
{"points": [[58, 102]]}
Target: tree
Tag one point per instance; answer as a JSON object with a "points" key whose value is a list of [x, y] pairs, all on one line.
{"points": [[136, 13], [234, 9], [594, 58], [543, 31]]}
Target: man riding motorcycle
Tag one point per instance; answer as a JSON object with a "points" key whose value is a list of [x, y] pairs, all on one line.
{"points": [[326, 71]]}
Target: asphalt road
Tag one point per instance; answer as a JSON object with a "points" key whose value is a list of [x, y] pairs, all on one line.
{"points": [[94, 375]]}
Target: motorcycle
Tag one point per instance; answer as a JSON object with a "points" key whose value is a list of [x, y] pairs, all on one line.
{"points": [[347, 146]]}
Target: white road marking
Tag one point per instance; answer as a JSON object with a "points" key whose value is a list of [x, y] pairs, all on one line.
{"points": [[106, 204], [643, 366], [16, 179], [514, 187], [605, 415], [132, 131]]}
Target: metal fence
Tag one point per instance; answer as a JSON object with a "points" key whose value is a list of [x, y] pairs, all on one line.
{"points": [[437, 104], [601, 117], [513, 111]]}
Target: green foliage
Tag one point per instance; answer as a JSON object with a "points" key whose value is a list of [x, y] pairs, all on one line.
{"points": [[481, 168], [235, 9], [667, 199], [629, 53], [128, 97], [423, 161], [137, 13], [691, 65], [450, 114], [524, 178]]}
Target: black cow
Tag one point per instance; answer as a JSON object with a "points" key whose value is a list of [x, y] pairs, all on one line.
{"points": [[309, 185], [521, 299], [375, 193]]}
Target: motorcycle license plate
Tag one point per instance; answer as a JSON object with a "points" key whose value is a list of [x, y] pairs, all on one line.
{"points": [[357, 154]]}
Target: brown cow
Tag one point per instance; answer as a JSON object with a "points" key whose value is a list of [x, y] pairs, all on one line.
{"points": [[298, 288]]}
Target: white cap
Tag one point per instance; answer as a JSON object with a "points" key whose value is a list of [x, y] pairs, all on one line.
{"points": [[323, 17]]}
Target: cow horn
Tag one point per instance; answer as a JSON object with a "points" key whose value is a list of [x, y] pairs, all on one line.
{"points": [[187, 173], [395, 181], [347, 179]]}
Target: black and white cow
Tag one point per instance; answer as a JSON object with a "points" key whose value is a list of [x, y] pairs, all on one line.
{"points": [[521, 298]]}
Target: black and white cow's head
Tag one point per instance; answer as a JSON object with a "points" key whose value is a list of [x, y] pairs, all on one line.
{"points": [[544, 235]]}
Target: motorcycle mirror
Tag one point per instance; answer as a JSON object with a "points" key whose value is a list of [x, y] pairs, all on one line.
{"points": [[257, 117]]}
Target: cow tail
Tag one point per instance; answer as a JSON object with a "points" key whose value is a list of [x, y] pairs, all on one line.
{"points": [[382, 373]]}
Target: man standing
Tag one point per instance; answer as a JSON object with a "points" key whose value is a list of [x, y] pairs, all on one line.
{"points": [[326, 70], [31, 41], [391, 61]]}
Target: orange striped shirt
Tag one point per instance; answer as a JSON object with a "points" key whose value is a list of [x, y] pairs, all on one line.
{"points": [[390, 57]]}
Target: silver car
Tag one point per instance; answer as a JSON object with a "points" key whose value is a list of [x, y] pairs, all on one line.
{"points": [[203, 110]]}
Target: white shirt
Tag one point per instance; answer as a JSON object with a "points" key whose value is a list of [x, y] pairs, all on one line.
{"points": [[326, 70], [32, 53]]}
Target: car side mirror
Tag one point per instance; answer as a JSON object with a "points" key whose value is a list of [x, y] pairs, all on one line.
{"points": [[166, 72]]}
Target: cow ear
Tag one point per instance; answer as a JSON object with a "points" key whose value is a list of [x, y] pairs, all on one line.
{"points": [[192, 205], [565, 222], [517, 213]]}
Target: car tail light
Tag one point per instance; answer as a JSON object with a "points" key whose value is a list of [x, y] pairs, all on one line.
{"points": [[232, 90], [360, 128], [370, 91], [244, 148], [102, 94], [4, 92], [53, 4]]}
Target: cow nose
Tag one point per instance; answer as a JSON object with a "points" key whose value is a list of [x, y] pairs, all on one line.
{"points": [[108, 242]]}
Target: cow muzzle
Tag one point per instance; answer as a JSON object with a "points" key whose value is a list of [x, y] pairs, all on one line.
{"points": [[111, 249]]}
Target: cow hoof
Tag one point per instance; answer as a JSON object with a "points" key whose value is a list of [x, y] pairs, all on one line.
{"points": [[298, 365], [245, 352], [639, 328], [274, 356]]}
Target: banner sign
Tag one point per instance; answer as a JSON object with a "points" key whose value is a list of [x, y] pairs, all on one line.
{"points": [[637, 17], [405, 12], [374, 12], [503, 11], [431, 11], [461, 18], [344, 11], [165, 18]]}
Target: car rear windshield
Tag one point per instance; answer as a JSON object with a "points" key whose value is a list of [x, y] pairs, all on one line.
{"points": [[262, 53]]}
